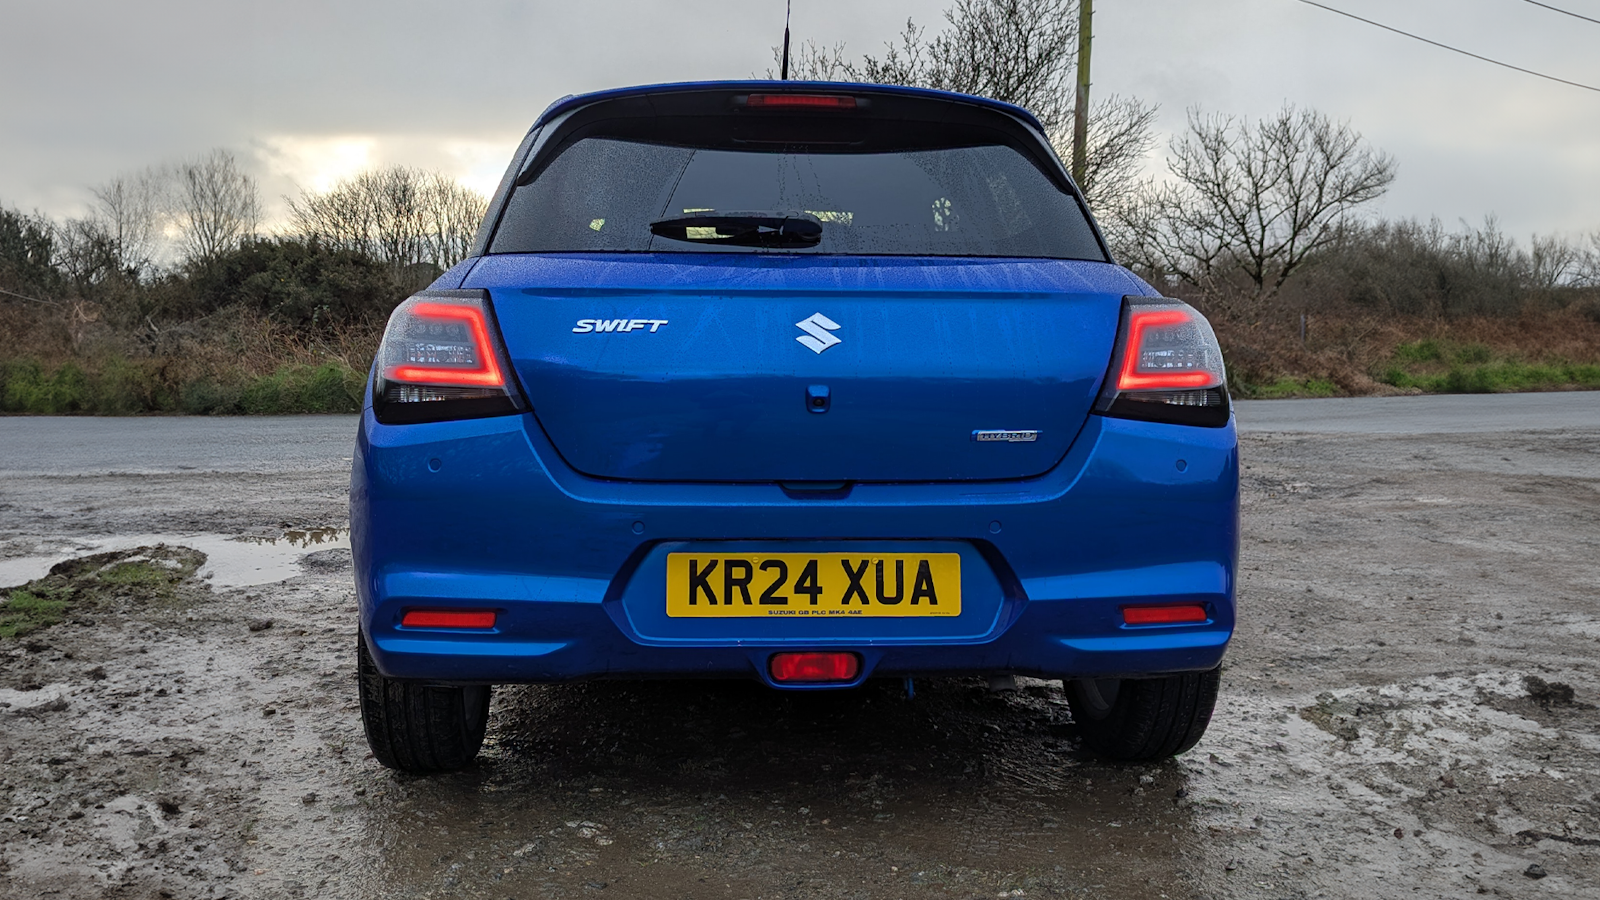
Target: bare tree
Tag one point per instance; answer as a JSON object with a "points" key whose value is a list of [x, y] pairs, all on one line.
{"points": [[453, 213], [214, 204], [1588, 267], [399, 215], [1254, 199], [1017, 51], [1554, 262], [811, 61], [1121, 136], [86, 252], [128, 210], [27, 256]]}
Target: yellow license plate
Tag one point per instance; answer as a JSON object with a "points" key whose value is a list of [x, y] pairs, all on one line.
{"points": [[713, 585]]}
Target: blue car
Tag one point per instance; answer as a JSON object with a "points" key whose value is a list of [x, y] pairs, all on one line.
{"points": [[796, 382]]}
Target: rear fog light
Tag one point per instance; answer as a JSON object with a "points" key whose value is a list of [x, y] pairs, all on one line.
{"points": [[443, 618], [812, 668], [1164, 615]]}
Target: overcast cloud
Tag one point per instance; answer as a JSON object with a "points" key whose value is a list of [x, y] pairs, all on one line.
{"points": [[308, 92]]}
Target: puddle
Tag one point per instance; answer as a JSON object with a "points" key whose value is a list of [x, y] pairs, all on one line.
{"points": [[230, 561]]}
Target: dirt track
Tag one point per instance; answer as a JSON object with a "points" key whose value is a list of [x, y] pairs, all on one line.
{"points": [[1377, 735]]}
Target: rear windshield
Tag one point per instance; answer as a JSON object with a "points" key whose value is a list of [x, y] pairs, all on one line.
{"points": [[602, 194]]}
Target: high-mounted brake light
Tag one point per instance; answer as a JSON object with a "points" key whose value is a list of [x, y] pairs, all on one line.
{"points": [[1167, 366], [448, 618], [440, 359], [1186, 614], [814, 668], [799, 101]]}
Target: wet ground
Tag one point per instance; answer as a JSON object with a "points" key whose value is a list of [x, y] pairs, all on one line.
{"points": [[1407, 712]]}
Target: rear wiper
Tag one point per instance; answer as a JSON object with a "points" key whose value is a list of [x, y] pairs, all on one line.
{"points": [[742, 229]]}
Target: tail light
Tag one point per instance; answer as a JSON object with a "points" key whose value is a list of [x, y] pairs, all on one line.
{"points": [[1167, 366], [441, 359]]}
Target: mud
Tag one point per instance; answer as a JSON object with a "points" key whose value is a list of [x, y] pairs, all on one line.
{"points": [[229, 561], [1408, 711]]}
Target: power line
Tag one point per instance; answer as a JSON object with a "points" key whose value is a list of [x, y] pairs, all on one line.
{"points": [[29, 299], [1416, 37], [1564, 12]]}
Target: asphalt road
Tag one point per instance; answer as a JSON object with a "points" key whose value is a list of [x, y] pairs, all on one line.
{"points": [[57, 445], [1427, 414], [86, 445]]}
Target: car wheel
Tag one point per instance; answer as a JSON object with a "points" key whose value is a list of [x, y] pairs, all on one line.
{"points": [[417, 727], [1135, 719]]}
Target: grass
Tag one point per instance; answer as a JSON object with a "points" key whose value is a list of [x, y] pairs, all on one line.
{"points": [[146, 575], [1442, 367], [1497, 377], [118, 387]]}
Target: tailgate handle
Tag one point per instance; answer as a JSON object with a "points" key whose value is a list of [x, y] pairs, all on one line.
{"points": [[818, 398], [816, 490]]}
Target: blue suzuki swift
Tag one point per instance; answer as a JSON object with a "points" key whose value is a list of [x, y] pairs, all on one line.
{"points": [[802, 383]]}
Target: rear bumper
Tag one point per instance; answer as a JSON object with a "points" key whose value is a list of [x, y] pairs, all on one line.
{"points": [[484, 514]]}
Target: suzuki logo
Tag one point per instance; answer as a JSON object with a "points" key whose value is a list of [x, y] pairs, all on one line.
{"points": [[816, 328]]}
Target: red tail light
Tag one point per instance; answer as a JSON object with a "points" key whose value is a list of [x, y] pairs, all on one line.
{"points": [[1167, 366], [448, 618], [1164, 615], [457, 359], [1150, 363], [440, 359], [800, 101], [814, 668]]}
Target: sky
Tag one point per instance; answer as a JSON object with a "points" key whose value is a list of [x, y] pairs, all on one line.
{"points": [[306, 93]]}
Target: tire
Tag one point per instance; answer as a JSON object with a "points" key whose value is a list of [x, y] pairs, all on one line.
{"points": [[417, 727], [1143, 719]]}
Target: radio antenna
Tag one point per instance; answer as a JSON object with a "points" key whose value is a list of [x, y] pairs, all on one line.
{"points": [[784, 66]]}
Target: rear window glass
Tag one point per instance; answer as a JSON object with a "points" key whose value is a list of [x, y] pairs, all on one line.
{"points": [[601, 194]]}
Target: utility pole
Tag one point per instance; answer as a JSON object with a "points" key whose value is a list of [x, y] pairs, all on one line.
{"points": [[1080, 118]]}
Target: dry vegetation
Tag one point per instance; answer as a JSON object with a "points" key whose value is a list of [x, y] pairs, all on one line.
{"points": [[1403, 307], [1261, 225], [235, 361], [232, 322], [289, 325], [1353, 353]]}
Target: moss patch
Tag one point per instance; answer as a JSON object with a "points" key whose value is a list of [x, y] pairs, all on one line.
{"points": [[26, 611], [143, 575]]}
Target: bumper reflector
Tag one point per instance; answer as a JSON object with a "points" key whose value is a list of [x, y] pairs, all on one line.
{"points": [[1164, 615], [812, 668], [448, 618]]}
